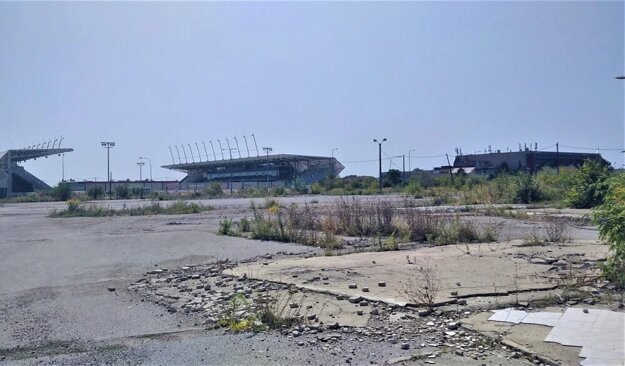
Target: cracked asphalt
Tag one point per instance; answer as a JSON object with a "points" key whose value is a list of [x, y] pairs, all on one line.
{"points": [[57, 307]]}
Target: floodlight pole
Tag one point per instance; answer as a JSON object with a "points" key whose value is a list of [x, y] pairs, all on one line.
{"points": [[150, 161], [237, 142], [254, 137], [246, 147], [140, 164], [213, 148], [108, 145], [409, 168], [380, 161]]}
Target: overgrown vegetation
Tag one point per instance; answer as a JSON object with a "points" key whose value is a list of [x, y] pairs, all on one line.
{"points": [[385, 225], [610, 218], [423, 287], [76, 208]]}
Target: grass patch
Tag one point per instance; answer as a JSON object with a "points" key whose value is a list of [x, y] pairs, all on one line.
{"points": [[75, 208]]}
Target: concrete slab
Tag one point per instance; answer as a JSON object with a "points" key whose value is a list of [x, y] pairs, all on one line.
{"points": [[600, 332], [500, 269]]}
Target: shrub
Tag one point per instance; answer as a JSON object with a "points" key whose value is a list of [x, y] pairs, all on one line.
{"points": [[214, 190], [225, 227], [62, 192], [527, 190], [555, 186], [95, 192], [316, 188], [424, 286], [244, 225], [73, 206], [610, 217], [589, 185], [122, 192], [557, 231]]}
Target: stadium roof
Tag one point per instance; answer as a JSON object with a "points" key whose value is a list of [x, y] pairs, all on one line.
{"points": [[256, 159], [18, 155]]}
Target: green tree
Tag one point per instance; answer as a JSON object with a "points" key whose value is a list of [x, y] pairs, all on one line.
{"points": [[610, 218], [62, 192], [589, 184]]}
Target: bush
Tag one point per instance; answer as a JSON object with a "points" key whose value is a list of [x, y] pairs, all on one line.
{"points": [[95, 192], [122, 192], [225, 227], [589, 185], [610, 218], [214, 190], [554, 186], [62, 192], [527, 191]]}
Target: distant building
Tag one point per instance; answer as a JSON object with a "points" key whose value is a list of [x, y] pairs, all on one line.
{"points": [[528, 160], [257, 172]]}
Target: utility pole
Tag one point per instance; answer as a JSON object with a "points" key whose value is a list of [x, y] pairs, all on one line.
{"points": [[451, 173], [380, 162], [62, 167], [108, 145], [409, 166]]}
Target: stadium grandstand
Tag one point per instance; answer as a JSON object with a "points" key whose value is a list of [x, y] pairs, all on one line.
{"points": [[14, 179], [258, 172]]}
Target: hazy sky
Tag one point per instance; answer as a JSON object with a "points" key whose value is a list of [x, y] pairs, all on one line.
{"points": [[306, 78]]}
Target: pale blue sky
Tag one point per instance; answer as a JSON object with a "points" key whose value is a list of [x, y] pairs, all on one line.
{"points": [[307, 77]]}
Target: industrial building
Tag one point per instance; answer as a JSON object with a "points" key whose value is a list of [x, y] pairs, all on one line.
{"points": [[526, 160], [14, 179], [257, 172]]}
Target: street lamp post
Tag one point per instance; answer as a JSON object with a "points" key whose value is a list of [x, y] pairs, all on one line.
{"points": [[380, 161], [141, 164], [108, 145], [409, 167]]}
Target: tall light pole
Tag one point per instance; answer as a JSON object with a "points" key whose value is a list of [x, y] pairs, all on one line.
{"points": [[140, 164], [150, 161], [380, 161], [108, 145], [621, 78], [409, 168], [267, 150]]}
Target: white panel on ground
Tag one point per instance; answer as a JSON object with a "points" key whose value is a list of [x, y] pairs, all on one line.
{"points": [[600, 333]]}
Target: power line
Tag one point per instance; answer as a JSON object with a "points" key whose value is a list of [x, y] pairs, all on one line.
{"points": [[591, 148]]}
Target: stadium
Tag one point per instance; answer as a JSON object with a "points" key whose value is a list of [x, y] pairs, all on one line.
{"points": [[14, 179], [258, 172]]}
